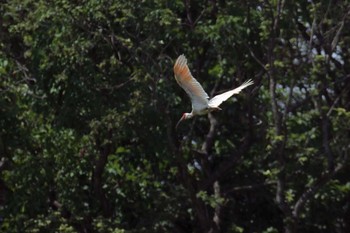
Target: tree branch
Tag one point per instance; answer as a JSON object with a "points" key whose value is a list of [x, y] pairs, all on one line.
{"points": [[186, 179], [251, 187], [315, 187], [325, 127], [188, 13], [209, 139], [225, 166], [217, 212], [278, 124], [97, 181]]}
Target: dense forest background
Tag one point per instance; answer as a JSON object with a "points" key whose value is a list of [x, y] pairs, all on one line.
{"points": [[89, 103]]}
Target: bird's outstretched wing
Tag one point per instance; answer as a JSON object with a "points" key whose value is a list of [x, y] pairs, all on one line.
{"points": [[184, 78], [218, 99]]}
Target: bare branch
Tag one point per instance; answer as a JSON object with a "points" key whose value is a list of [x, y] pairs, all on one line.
{"points": [[209, 139], [225, 166], [278, 121], [115, 87], [97, 181], [344, 91], [188, 13], [217, 212], [325, 127], [186, 179], [315, 187], [336, 37], [251, 187]]}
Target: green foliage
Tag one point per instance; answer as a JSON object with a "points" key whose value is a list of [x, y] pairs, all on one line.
{"points": [[89, 103]]}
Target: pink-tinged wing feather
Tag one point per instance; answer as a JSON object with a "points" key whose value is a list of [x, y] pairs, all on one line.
{"points": [[218, 99], [184, 78]]}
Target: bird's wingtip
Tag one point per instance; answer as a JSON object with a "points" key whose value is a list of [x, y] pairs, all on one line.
{"points": [[182, 57], [248, 82], [180, 63]]}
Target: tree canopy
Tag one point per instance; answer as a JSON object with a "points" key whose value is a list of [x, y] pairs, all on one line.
{"points": [[89, 105]]}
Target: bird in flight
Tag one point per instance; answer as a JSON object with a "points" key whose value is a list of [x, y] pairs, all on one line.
{"points": [[201, 104]]}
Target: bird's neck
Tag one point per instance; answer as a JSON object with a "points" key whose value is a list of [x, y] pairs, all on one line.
{"points": [[189, 115]]}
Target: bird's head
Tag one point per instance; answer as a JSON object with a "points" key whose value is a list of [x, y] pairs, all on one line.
{"points": [[185, 116]]}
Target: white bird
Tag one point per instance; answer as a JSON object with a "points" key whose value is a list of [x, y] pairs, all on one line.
{"points": [[201, 104]]}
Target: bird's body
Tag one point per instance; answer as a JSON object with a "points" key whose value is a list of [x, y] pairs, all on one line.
{"points": [[201, 104]]}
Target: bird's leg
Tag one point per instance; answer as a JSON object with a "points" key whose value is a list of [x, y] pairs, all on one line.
{"points": [[214, 109]]}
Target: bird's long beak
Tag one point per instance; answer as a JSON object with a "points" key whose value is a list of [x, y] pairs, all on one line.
{"points": [[181, 119]]}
